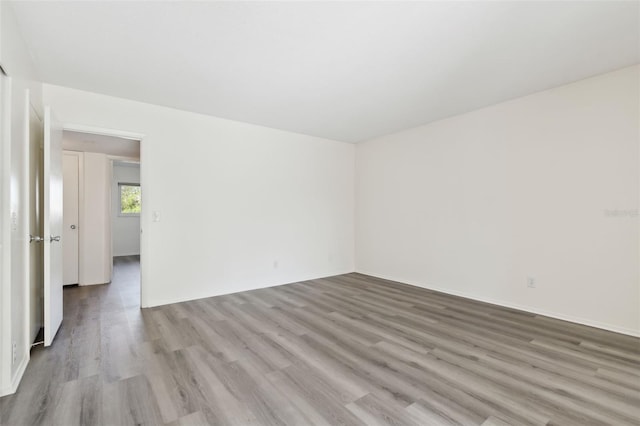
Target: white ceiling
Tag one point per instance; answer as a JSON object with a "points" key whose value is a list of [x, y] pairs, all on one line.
{"points": [[87, 142], [341, 70]]}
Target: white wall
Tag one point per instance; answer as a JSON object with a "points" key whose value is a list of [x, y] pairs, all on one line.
{"points": [[20, 93], [240, 206], [474, 204], [15, 58], [125, 229]]}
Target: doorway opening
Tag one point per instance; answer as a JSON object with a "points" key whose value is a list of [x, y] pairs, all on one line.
{"points": [[101, 213], [126, 206]]}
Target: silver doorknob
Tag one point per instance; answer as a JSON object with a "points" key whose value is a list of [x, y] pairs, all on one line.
{"points": [[56, 238], [33, 239], [73, 227]]}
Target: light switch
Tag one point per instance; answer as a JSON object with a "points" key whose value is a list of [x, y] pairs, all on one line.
{"points": [[156, 216]]}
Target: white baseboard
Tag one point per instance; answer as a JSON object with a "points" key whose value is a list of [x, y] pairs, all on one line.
{"points": [[126, 254], [17, 377], [161, 302], [556, 315]]}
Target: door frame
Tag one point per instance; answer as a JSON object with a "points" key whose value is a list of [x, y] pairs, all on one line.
{"points": [[6, 387], [26, 220], [14, 229], [75, 127]]}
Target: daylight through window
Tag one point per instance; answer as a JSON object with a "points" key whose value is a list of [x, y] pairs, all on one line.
{"points": [[129, 199]]}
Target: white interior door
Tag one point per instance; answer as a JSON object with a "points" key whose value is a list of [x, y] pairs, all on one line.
{"points": [[52, 219], [70, 184]]}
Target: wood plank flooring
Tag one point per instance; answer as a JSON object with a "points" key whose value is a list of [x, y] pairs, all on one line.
{"points": [[346, 350]]}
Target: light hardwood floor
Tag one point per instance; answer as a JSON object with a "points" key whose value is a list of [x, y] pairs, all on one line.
{"points": [[346, 350]]}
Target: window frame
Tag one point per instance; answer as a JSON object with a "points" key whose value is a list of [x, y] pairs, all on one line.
{"points": [[120, 213]]}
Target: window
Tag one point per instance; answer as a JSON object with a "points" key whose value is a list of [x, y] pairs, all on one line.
{"points": [[129, 199]]}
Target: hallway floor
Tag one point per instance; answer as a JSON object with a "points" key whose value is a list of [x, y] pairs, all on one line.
{"points": [[60, 385]]}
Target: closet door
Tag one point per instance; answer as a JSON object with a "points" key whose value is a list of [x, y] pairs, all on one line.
{"points": [[71, 186]]}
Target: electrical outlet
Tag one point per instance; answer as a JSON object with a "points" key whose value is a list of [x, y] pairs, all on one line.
{"points": [[531, 282], [14, 351], [275, 264]]}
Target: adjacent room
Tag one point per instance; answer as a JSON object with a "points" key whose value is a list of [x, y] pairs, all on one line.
{"points": [[319, 213]]}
